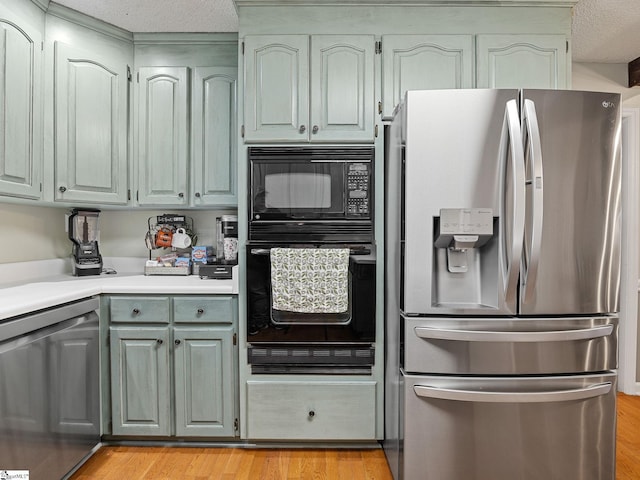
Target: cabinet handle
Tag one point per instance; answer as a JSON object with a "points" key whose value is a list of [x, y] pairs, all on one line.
{"points": [[302, 129], [160, 341], [181, 194], [62, 189], [176, 341], [136, 311], [200, 311], [197, 194], [312, 414], [315, 129]]}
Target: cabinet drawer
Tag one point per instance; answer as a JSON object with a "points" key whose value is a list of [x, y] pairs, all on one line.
{"points": [[204, 309], [140, 309], [311, 410]]}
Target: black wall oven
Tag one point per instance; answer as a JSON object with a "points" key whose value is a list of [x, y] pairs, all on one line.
{"points": [[281, 341], [311, 194]]}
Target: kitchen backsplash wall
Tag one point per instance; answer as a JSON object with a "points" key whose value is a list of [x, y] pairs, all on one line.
{"points": [[122, 232], [38, 233], [32, 233]]}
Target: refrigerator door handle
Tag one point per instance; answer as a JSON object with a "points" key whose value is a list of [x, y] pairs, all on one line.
{"points": [[535, 181], [511, 134], [488, 396], [502, 336]]}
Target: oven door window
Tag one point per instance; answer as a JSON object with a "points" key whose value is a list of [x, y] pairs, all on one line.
{"points": [[297, 190]]}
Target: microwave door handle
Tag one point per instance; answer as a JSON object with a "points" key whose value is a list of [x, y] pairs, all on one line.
{"points": [[530, 121], [511, 134], [488, 396]]}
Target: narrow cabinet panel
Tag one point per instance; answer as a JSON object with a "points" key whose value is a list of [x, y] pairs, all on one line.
{"points": [[276, 87], [522, 61], [140, 382], [204, 381], [342, 70], [163, 147], [90, 127], [424, 62], [213, 132], [20, 122]]}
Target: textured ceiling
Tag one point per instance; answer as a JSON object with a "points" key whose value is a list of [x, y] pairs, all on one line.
{"points": [[604, 31]]}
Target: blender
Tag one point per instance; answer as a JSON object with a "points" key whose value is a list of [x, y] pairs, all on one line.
{"points": [[83, 232]]}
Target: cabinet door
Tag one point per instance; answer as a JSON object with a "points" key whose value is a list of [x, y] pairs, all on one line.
{"points": [[204, 381], [522, 61], [342, 102], [163, 144], [213, 132], [424, 62], [140, 386], [276, 103], [20, 126], [90, 127]]}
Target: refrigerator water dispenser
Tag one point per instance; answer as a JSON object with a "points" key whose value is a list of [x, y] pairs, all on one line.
{"points": [[464, 254]]}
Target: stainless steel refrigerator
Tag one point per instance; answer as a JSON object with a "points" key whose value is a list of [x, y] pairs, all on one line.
{"points": [[502, 274]]}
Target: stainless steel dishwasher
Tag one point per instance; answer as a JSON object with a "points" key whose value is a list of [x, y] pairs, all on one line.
{"points": [[49, 389]]}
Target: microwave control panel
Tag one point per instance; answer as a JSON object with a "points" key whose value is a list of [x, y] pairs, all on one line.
{"points": [[358, 189]]}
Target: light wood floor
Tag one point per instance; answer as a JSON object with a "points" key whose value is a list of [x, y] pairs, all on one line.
{"points": [[185, 463]]}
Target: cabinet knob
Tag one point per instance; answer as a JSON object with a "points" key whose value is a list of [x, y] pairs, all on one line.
{"points": [[62, 189], [312, 414], [176, 341], [160, 341], [315, 129], [197, 194], [136, 311], [302, 129], [181, 195], [200, 311]]}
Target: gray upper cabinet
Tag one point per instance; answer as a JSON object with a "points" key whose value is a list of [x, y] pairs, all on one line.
{"points": [[21, 125], [90, 127], [309, 89], [213, 175], [424, 62], [522, 61], [162, 135], [276, 88]]}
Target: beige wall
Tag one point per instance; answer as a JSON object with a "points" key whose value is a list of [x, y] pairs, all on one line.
{"points": [[38, 233], [607, 78], [32, 233]]}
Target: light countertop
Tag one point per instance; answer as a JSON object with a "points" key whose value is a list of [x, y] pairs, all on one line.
{"points": [[48, 291]]}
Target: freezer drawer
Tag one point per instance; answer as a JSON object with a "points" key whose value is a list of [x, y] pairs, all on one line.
{"points": [[492, 346], [525, 428]]}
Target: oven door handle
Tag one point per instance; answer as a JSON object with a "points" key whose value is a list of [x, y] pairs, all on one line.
{"points": [[260, 251]]}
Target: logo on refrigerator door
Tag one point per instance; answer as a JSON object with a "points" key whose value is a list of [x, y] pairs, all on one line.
{"points": [[606, 104]]}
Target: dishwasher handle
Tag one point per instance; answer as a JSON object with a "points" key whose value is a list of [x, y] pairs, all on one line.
{"points": [[431, 333], [487, 396]]}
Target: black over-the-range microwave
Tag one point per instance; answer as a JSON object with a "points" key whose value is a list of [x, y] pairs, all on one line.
{"points": [[311, 194]]}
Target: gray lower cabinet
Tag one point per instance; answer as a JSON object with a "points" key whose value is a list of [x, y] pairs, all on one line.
{"points": [[174, 369], [311, 410]]}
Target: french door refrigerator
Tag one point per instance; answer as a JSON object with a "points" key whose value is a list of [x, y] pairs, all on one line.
{"points": [[502, 239]]}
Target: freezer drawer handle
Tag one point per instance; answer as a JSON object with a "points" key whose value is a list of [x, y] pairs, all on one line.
{"points": [[590, 391], [500, 336]]}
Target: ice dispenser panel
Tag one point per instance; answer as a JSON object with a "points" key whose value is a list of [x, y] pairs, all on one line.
{"points": [[465, 258], [461, 229]]}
